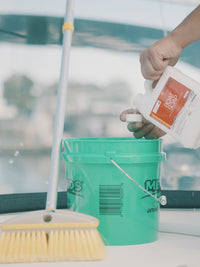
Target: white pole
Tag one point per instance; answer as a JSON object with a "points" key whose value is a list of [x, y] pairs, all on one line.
{"points": [[60, 110]]}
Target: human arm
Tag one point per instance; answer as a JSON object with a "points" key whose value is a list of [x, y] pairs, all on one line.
{"points": [[155, 59], [167, 50]]}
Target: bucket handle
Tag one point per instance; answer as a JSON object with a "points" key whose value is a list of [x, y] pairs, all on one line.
{"points": [[162, 199]]}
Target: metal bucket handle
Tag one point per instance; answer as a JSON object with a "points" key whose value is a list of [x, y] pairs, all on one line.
{"points": [[162, 199]]}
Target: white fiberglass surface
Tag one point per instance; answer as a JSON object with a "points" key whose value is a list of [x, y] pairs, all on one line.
{"points": [[171, 249]]}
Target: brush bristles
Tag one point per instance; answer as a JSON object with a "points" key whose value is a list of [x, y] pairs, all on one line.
{"points": [[61, 245]]}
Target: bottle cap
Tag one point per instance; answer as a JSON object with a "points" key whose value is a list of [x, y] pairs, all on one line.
{"points": [[133, 117]]}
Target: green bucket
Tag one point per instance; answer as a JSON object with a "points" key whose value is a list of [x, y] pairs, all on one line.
{"points": [[128, 215]]}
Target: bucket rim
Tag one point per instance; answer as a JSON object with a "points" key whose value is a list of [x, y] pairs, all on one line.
{"points": [[112, 139], [101, 158]]}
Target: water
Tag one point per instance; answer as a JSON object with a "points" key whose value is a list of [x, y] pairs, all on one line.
{"points": [[181, 171], [23, 171], [26, 171]]}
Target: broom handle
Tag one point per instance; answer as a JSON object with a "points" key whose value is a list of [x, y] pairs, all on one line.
{"points": [[51, 201]]}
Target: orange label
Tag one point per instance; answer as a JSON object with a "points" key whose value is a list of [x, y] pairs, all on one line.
{"points": [[171, 100]]}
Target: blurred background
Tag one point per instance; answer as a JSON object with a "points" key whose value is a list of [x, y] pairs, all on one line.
{"points": [[104, 77]]}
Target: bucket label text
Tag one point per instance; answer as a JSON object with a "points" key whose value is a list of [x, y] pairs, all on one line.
{"points": [[74, 187], [111, 199], [153, 186]]}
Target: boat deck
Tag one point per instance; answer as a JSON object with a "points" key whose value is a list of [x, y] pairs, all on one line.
{"points": [[178, 245]]}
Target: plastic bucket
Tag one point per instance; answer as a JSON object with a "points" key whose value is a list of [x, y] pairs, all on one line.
{"points": [[127, 214]]}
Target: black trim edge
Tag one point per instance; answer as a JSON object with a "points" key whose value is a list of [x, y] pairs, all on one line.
{"points": [[28, 202], [176, 199], [181, 199]]}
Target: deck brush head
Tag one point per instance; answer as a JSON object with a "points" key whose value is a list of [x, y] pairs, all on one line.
{"points": [[76, 240]]}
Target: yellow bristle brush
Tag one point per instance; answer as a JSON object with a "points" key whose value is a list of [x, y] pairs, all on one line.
{"points": [[51, 234]]}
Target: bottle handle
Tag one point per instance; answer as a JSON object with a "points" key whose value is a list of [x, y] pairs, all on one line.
{"points": [[135, 117], [148, 86]]}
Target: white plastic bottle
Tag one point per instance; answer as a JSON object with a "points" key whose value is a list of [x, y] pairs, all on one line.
{"points": [[174, 106]]}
